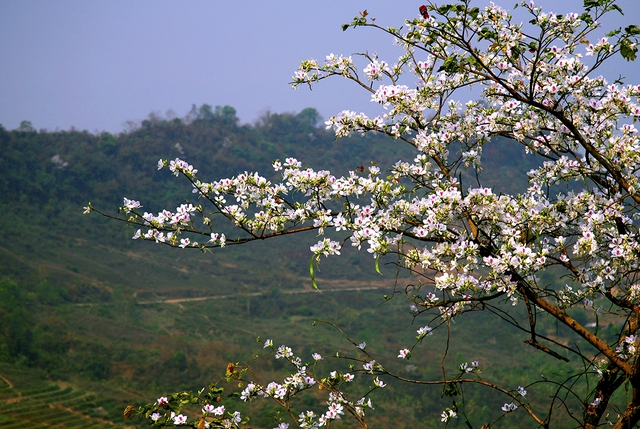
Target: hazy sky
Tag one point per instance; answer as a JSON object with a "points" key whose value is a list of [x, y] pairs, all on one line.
{"points": [[97, 64]]}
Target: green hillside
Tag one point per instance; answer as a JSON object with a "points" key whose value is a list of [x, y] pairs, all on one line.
{"points": [[101, 321]]}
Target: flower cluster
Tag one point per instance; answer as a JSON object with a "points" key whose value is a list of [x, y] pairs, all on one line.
{"points": [[473, 367], [375, 70], [337, 401], [507, 408], [627, 347], [448, 414], [213, 416]]}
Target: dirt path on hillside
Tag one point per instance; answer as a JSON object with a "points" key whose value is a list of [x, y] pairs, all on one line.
{"points": [[346, 288], [8, 382]]}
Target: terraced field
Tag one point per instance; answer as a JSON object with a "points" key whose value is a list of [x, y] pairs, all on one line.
{"points": [[42, 404]]}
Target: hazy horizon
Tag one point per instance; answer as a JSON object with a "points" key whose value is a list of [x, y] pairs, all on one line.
{"points": [[96, 65]]}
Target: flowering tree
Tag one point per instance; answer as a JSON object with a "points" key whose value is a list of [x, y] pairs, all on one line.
{"points": [[471, 248]]}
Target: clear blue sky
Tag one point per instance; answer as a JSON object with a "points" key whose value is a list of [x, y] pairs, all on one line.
{"points": [[95, 65]]}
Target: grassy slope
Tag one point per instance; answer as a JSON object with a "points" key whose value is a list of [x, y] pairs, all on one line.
{"points": [[90, 290]]}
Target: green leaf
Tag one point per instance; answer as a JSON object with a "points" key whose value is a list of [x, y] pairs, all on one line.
{"points": [[628, 50], [516, 51], [450, 390], [632, 30], [312, 273], [486, 33], [378, 265], [450, 65], [615, 7], [344, 27], [359, 21], [444, 9], [586, 18], [471, 61], [629, 54]]}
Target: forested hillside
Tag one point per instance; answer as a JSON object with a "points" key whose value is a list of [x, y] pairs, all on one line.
{"points": [[82, 303]]}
